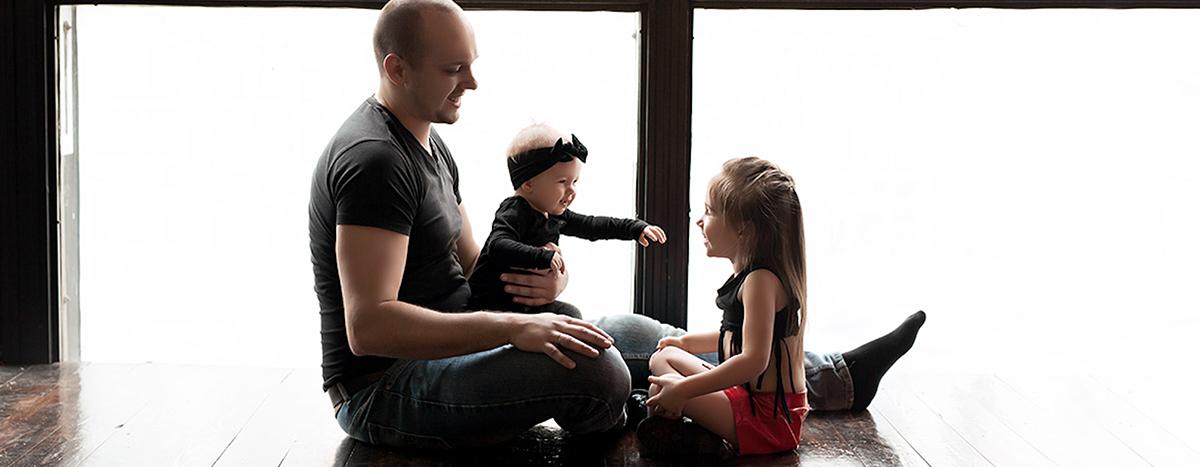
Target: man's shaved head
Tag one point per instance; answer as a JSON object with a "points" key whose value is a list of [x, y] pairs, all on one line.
{"points": [[398, 30]]}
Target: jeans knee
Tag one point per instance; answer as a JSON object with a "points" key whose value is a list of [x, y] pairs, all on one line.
{"points": [[636, 334], [606, 375]]}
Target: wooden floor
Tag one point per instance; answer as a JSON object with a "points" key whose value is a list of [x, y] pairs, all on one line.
{"points": [[157, 415]]}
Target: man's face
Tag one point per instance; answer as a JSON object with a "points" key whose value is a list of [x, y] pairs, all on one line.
{"points": [[553, 191], [436, 83]]}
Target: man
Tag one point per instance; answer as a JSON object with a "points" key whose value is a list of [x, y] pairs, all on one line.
{"points": [[391, 244]]}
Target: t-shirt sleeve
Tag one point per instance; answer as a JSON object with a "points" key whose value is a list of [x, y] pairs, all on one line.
{"points": [[374, 185]]}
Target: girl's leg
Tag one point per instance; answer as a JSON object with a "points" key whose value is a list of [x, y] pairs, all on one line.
{"points": [[713, 410]]}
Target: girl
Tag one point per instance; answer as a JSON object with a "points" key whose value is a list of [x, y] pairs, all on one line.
{"points": [[755, 398]]}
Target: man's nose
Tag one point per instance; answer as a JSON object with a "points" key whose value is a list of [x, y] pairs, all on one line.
{"points": [[470, 82]]}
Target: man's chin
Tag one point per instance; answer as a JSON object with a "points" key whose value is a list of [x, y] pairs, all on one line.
{"points": [[447, 117]]}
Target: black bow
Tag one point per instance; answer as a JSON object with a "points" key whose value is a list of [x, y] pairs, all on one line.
{"points": [[529, 164]]}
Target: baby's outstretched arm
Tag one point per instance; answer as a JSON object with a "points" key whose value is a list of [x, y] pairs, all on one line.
{"points": [[602, 227]]}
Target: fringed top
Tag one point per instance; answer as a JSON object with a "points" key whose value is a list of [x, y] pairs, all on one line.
{"points": [[787, 324]]}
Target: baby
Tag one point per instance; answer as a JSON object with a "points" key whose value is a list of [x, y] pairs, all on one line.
{"points": [[544, 168]]}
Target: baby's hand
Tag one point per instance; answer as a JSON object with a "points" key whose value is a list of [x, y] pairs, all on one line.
{"points": [[652, 233], [557, 262], [665, 342]]}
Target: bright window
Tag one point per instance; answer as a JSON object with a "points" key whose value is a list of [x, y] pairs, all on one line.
{"points": [[1028, 177], [199, 130]]}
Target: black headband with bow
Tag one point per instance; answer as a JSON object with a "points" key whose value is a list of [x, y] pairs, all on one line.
{"points": [[529, 164]]}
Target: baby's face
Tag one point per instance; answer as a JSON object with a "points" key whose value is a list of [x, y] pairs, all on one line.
{"points": [[553, 190]]}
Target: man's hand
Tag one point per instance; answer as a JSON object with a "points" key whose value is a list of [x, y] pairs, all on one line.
{"points": [[550, 333], [652, 233]]}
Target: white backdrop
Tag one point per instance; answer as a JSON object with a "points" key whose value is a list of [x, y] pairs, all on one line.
{"points": [[1027, 177], [200, 128]]}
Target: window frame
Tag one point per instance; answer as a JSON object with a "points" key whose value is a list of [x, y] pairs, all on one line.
{"points": [[31, 244]]}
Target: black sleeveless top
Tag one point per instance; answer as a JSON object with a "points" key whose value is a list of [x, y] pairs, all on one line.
{"points": [[787, 324]]}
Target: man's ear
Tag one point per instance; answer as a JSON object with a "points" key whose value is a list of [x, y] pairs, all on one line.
{"points": [[526, 188], [396, 69]]}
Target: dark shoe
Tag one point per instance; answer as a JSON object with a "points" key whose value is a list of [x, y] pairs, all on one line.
{"points": [[635, 408], [664, 437]]}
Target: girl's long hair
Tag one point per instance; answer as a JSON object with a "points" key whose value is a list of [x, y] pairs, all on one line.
{"points": [[759, 199]]}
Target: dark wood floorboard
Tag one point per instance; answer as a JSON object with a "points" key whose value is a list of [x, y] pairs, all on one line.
{"points": [[873, 440], [938, 443], [155, 414], [31, 408], [9, 373], [89, 412]]}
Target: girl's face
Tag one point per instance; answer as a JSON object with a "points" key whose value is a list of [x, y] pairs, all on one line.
{"points": [[720, 238], [553, 190]]}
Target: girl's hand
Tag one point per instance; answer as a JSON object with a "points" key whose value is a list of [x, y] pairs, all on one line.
{"points": [[668, 402], [670, 341], [652, 232]]}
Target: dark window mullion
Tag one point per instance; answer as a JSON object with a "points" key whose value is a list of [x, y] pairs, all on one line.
{"points": [[664, 158], [28, 159]]}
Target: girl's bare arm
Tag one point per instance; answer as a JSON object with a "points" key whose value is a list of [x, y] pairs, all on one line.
{"points": [[760, 297]]}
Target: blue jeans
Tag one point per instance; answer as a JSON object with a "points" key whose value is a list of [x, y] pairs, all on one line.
{"points": [[492, 396], [826, 375]]}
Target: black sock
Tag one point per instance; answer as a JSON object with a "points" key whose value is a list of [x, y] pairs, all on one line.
{"points": [[870, 361]]}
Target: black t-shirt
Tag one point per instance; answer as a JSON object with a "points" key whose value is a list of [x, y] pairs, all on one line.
{"points": [[374, 173], [518, 233]]}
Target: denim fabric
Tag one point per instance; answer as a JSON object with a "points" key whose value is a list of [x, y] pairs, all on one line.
{"points": [[827, 376], [492, 396], [486, 398]]}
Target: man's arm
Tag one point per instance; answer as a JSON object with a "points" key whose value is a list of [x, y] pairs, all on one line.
{"points": [[371, 266], [468, 250]]}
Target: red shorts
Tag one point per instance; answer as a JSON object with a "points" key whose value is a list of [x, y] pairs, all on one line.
{"points": [[763, 432]]}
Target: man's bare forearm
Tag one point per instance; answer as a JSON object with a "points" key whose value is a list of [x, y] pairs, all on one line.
{"points": [[403, 330]]}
